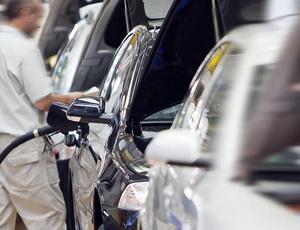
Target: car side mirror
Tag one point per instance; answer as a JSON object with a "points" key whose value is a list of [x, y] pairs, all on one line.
{"points": [[177, 147], [57, 118], [89, 110]]}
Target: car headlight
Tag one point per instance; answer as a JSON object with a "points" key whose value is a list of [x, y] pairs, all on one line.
{"points": [[134, 196]]}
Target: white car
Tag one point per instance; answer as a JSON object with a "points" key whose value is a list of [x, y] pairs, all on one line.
{"points": [[210, 132], [69, 60]]}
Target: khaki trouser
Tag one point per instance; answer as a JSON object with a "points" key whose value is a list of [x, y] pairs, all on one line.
{"points": [[29, 186]]}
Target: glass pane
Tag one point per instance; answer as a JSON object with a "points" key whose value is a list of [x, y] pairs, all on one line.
{"points": [[290, 156], [277, 111], [1, 12], [87, 2], [114, 79], [165, 115], [214, 104], [192, 109]]}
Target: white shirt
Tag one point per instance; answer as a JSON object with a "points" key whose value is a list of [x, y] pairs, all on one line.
{"points": [[23, 81]]}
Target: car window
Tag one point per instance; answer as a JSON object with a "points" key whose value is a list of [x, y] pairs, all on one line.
{"points": [[59, 71], [112, 36], [290, 153], [88, 2], [115, 78], [269, 149], [167, 114], [191, 110], [263, 74], [290, 156], [69, 59], [1, 12], [176, 56], [212, 101]]}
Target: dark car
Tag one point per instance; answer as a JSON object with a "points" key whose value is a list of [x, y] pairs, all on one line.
{"points": [[139, 97]]}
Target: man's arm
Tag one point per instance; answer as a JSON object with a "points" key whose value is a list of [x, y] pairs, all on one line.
{"points": [[45, 103]]}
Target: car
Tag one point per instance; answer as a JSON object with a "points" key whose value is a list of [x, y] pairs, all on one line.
{"points": [[85, 58], [140, 96], [203, 176], [59, 20], [70, 54]]}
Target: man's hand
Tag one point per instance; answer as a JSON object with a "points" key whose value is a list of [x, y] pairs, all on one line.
{"points": [[92, 92], [45, 103]]}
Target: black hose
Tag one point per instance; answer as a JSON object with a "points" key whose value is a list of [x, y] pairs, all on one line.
{"points": [[26, 137]]}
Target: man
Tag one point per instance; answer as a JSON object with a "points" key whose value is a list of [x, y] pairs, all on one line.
{"points": [[28, 177]]}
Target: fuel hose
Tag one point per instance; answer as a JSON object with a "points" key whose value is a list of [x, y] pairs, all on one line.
{"points": [[26, 137]]}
